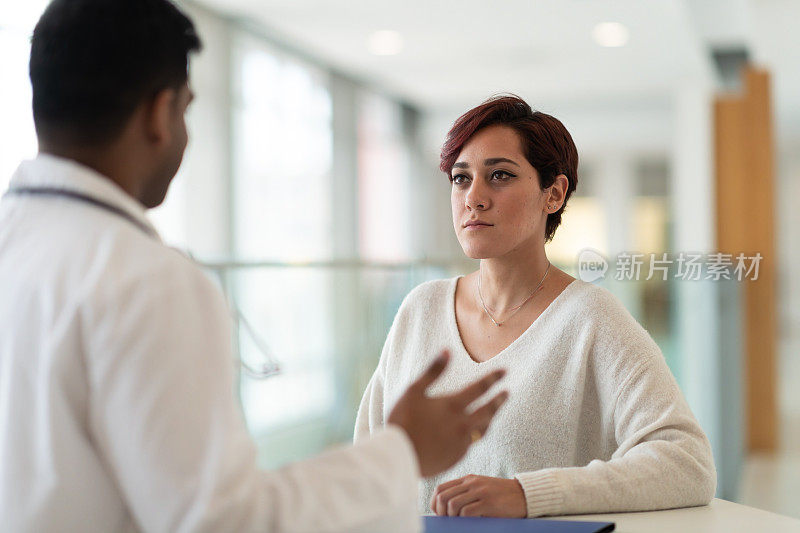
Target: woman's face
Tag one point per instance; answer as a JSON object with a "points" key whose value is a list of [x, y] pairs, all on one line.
{"points": [[498, 205]]}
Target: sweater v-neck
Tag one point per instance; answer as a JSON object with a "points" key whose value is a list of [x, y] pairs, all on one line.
{"points": [[458, 342]]}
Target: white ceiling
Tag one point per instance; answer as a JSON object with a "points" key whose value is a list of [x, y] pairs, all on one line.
{"points": [[459, 52], [456, 53]]}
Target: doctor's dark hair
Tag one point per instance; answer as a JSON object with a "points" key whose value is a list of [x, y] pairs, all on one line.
{"points": [[545, 141], [94, 61]]}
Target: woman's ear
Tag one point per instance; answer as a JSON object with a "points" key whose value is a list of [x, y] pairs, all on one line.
{"points": [[558, 190], [158, 116]]}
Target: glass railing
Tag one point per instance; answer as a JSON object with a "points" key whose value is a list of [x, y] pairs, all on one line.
{"points": [[324, 324]]}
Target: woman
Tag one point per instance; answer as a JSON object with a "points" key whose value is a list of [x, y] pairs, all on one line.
{"points": [[595, 422]]}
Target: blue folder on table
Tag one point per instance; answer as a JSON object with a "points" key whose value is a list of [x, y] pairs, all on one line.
{"points": [[452, 524]]}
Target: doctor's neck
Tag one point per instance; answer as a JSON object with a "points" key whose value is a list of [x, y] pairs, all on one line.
{"points": [[105, 162], [122, 161]]}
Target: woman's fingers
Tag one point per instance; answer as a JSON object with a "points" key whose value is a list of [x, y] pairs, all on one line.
{"points": [[441, 499], [448, 484], [472, 509], [441, 488], [474, 391], [458, 501]]}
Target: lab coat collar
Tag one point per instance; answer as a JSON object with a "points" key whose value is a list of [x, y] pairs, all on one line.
{"points": [[47, 170]]}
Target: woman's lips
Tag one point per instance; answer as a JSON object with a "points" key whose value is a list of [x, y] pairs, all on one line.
{"points": [[476, 227]]}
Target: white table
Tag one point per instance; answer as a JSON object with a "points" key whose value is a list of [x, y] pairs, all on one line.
{"points": [[720, 516]]}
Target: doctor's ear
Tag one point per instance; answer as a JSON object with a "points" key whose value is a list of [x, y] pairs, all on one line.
{"points": [[159, 115]]}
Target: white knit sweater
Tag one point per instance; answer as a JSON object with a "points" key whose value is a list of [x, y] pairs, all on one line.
{"points": [[595, 421]]}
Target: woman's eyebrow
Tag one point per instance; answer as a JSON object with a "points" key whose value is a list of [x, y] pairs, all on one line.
{"points": [[495, 160], [486, 162]]}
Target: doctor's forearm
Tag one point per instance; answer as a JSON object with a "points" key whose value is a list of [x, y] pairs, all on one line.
{"points": [[370, 486]]}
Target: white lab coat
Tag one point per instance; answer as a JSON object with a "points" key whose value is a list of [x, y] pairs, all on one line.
{"points": [[117, 410]]}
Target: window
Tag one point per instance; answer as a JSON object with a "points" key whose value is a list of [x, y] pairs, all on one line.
{"points": [[383, 181], [282, 156], [17, 134]]}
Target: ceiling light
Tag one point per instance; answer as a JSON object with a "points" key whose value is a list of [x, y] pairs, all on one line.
{"points": [[385, 43], [610, 34]]}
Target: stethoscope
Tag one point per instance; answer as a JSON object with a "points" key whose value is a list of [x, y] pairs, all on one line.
{"points": [[269, 368]]}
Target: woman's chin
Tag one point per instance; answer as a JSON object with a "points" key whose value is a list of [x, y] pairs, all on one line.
{"points": [[479, 252]]}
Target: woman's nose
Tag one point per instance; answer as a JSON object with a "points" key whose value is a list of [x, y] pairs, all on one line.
{"points": [[476, 198]]}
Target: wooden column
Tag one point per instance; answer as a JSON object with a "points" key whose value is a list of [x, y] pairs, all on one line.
{"points": [[745, 193]]}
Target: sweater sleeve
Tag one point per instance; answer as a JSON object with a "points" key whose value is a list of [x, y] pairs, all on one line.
{"points": [[663, 459], [370, 413]]}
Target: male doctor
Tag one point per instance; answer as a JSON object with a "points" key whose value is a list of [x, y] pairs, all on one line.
{"points": [[117, 410]]}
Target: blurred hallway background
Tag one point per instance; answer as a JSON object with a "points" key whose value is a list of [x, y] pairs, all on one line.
{"points": [[310, 188]]}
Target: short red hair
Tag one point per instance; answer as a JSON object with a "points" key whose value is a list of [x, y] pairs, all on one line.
{"points": [[546, 143]]}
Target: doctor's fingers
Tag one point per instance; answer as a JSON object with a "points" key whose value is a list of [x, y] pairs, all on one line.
{"points": [[431, 374], [474, 391], [480, 419]]}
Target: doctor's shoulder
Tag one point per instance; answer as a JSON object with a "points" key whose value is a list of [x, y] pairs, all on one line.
{"points": [[146, 269]]}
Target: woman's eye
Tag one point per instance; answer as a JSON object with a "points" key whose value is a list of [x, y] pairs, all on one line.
{"points": [[501, 175], [458, 179]]}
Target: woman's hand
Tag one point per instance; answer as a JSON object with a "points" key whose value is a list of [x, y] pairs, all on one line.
{"points": [[480, 496]]}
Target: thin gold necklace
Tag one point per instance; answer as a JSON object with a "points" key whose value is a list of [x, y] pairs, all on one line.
{"points": [[515, 309]]}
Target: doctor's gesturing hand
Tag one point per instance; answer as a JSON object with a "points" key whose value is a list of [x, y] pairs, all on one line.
{"points": [[441, 428]]}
